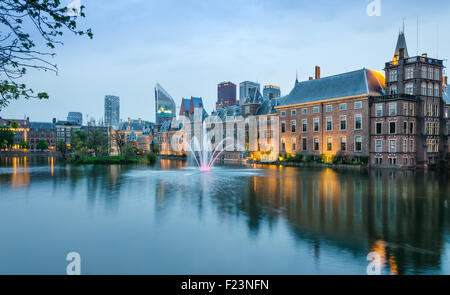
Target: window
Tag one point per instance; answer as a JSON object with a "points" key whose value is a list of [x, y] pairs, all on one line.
{"points": [[283, 114], [329, 108], [405, 109], [411, 128], [305, 125], [293, 126], [343, 106], [405, 127], [379, 110], [393, 89], [283, 127], [409, 73], [316, 110], [393, 161], [358, 105], [411, 145], [409, 88], [343, 122], [392, 146], [358, 143], [316, 125], [437, 75], [343, 144], [423, 89], [379, 128], [430, 73], [411, 109], [424, 72], [316, 144], [247, 110], [392, 128], [283, 145], [430, 89], [392, 109], [304, 111], [329, 124], [379, 146], [293, 112], [405, 145], [436, 90], [393, 76], [304, 144], [358, 122], [294, 144], [329, 144]]}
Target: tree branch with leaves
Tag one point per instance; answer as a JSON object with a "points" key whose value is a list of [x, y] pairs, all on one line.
{"points": [[19, 52]]}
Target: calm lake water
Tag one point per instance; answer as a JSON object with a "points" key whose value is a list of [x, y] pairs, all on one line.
{"points": [[171, 219]]}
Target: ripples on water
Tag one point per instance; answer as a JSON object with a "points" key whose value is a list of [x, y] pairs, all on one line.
{"points": [[172, 219]]}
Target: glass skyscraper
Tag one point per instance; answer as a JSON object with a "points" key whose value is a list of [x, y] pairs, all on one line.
{"points": [[112, 111], [247, 88], [165, 105], [271, 92]]}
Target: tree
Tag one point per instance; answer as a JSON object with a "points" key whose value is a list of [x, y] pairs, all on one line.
{"points": [[119, 140], [61, 147], [97, 140], [6, 137], [21, 21], [78, 141], [24, 145], [42, 145]]}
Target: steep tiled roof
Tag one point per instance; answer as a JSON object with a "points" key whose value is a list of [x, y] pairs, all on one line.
{"points": [[360, 82], [268, 106], [47, 127]]}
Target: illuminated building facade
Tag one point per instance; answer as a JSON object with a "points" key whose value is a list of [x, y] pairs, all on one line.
{"points": [[42, 131], [112, 111], [329, 116], [165, 105], [408, 122], [270, 92], [20, 131], [226, 95]]}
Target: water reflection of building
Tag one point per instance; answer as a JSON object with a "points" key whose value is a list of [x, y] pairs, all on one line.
{"points": [[359, 213]]}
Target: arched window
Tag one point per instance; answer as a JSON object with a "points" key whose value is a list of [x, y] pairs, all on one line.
{"points": [[430, 89], [423, 89], [436, 89]]}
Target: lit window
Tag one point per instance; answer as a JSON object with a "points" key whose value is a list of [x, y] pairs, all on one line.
{"points": [[329, 144], [392, 146]]}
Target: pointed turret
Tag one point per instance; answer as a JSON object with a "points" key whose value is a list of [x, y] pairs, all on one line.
{"points": [[401, 44]]}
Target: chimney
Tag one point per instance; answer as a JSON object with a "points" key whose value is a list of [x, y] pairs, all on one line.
{"points": [[311, 78], [401, 53], [54, 120], [140, 121], [424, 55], [317, 72]]}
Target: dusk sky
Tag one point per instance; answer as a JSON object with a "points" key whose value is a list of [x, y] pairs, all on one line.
{"points": [[190, 46]]}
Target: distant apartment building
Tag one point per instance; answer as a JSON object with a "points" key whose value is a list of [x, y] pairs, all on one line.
{"points": [[20, 131], [112, 111], [75, 117], [226, 94], [42, 131], [248, 89], [271, 92], [64, 130]]}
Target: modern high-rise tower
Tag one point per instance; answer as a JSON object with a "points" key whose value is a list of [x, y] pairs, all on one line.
{"points": [[271, 92], [226, 94], [112, 111], [165, 105], [247, 89]]}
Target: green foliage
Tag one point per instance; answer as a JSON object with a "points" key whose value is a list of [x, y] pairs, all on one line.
{"points": [[42, 145], [155, 148], [309, 158], [98, 141], [129, 151], [24, 145], [78, 140], [61, 147], [298, 158], [6, 137], [151, 157], [23, 22], [102, 160]]}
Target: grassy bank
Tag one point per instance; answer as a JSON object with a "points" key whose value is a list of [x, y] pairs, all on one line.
{"points": [[103, 160]]}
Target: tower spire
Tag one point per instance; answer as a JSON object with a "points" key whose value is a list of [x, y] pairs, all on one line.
{"points": [[296, 76], [401, 44]]}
